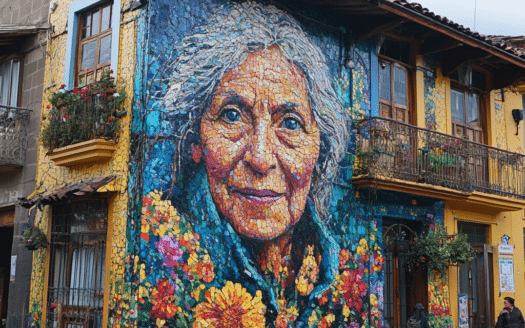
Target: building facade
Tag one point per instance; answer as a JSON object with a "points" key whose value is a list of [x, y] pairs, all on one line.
{"points": [[23, 39], [272, 165]]}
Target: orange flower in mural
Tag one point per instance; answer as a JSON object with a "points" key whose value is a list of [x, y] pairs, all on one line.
{"points": [[230, 307]]}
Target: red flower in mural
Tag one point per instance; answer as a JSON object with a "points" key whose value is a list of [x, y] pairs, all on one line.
{"points": [[353, 288], [162, 300], [169, 248]]}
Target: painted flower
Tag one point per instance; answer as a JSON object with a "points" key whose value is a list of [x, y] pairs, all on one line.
{"points": [[190, 240], [230, 307], [169, 248], [308, 273], [163, 297], [344, 256]]}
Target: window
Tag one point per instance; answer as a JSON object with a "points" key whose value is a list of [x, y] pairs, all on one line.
{"points": [[465, 111], [393, 91], [92, 40], [394, 87], [9, 84], [94, 46], [77, 263]]}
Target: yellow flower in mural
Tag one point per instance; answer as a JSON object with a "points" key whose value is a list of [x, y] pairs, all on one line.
{"points": [[373, 300], [308, 273], [362, 249], [230, 307]]}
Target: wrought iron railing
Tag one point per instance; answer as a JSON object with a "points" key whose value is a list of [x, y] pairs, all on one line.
{"points": [[14, 122], [391, 149]]}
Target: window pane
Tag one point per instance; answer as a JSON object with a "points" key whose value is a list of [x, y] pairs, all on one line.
{"points": [[105, 49], [457, 106], [86, 32], [88, 55], [9, 75], [5, 87], [96, 22], [473, 108], [400, 86], [106, 18], [384, 81], [15, 74]]}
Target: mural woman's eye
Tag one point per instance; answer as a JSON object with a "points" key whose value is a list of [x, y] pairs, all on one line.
{"points": [[230, 115], [291, 124]]}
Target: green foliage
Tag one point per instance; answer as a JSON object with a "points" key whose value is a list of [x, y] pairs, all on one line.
{"points": [[437, 250], [83, 114], [34, 238]]}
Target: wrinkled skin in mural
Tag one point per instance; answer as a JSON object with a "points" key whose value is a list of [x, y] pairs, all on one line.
{"points": [[259, 134]]}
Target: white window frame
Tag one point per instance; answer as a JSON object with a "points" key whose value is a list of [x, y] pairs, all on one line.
{"points": [[75, 9]]}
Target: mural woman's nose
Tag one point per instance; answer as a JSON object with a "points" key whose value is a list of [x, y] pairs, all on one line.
{"points": [[260, 156]]}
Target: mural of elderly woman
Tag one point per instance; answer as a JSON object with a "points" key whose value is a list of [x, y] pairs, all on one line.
{"points": [[260, 133]]}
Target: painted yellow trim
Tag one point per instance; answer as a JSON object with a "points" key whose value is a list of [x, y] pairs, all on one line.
{"points": [[448, 105], [109, 261], [490, 116], [419, 94]]}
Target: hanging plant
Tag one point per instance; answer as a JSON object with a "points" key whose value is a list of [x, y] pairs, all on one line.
{"points": [[437, 250], [34, 238]]}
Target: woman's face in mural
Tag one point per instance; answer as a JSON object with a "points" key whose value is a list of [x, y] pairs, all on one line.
{"points": [[260, 144]]}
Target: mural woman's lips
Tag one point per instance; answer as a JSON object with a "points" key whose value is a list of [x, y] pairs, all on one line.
{"points": [[259, 197]]}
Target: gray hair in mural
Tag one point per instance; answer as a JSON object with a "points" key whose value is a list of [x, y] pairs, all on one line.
{"points": [[230, 35]]}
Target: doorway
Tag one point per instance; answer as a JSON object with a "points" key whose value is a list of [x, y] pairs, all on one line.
{"points": [[476, 277], [6, 242], [402, 289]]}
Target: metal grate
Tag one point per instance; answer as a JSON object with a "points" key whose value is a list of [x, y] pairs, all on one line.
{"points": [[392, 149], [13, 135], [76, 280]]}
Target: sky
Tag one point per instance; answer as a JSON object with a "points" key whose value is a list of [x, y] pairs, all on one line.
{"points": [[493, 17]]}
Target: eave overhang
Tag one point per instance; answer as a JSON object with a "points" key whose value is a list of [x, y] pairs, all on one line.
{"points": [[434, 33]]}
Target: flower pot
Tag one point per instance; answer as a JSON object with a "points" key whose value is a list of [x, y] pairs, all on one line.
{"points": [[92, 151], [31, 247]]}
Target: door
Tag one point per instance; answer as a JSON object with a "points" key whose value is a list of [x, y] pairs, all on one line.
{"points": [[476, 280], [403, 289]]}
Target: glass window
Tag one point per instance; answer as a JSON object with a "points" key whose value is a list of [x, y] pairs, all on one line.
{"points": [[94, 44], [77, 264], [457, 106], [400, 85], [473, 108], [384, 81], [9, 79], [393, 91]]}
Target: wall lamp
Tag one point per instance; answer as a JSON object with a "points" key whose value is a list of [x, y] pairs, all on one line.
{"points": [[517, 115]]}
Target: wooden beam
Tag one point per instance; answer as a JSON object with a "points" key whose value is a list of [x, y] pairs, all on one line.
{"points": [[381, 28], [432, 46], [453, 59]]}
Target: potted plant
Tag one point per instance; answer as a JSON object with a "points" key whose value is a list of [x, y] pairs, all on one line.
{"points": [[437, 250], [34, 238], [83, 115]]}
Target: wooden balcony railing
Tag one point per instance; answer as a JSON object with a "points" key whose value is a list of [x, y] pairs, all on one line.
{"points": [[392, 149], [14, 122]]}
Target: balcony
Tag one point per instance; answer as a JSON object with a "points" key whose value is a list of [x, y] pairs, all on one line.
{"points": [[13, 137], [401, 157]]}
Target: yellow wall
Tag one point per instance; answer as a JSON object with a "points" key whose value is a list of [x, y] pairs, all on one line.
{"points": [[50, 177], [501, 133]]}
